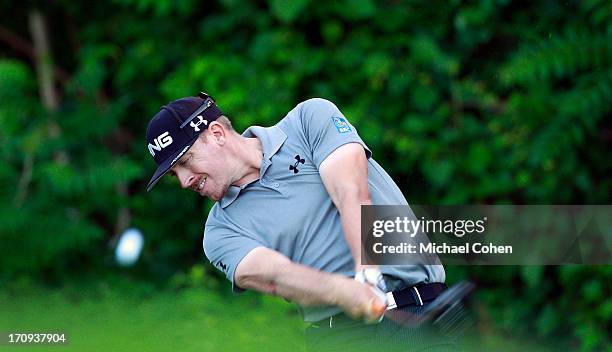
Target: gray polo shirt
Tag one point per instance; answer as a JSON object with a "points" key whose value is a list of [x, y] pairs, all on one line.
{"points": [[288, 209]]}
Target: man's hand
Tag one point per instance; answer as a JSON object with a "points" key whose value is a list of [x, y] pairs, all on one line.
{"points": [[360, 301]]}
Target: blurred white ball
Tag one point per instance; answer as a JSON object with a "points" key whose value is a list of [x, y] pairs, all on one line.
{"points": [[129, 247]]}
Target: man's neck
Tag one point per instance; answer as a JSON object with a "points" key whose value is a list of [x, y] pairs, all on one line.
{"points": [[250, 153]]}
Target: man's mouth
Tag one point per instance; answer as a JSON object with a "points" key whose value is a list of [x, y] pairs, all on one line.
{"points": [[201, 184]]}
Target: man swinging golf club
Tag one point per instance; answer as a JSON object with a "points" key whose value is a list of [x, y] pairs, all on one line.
{"points": [[287, 218]]}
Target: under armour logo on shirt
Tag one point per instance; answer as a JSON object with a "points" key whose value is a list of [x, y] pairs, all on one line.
{"points": [[201, 121], [298, 160], [222, 266]]}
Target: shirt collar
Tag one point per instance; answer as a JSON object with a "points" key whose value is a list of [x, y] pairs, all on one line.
{"points": [[271, 138]]}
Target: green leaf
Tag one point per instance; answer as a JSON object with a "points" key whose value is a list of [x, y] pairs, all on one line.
{"points": [[358, 9], [287, 10]]}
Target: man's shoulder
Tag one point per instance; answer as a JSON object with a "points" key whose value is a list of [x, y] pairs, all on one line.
{"points": [[315, 104], [311, 104], [306, 111], [215, 216]]}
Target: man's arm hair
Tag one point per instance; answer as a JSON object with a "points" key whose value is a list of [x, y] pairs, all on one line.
{"points": [[271, 272], [345, 175]]}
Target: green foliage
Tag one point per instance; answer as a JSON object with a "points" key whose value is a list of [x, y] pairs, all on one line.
{"points": [[488, 101], [555, 302]]}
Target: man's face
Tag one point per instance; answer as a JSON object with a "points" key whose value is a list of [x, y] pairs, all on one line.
{"points": [[205, 168]]}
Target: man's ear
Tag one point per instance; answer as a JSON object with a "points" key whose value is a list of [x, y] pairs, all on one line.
{"points": [[217, 132]]}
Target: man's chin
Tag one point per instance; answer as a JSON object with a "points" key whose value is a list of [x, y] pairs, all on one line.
{"points": [[216, 197]]}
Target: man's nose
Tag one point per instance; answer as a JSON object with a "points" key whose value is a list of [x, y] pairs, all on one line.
{"points": [[186, 179]]}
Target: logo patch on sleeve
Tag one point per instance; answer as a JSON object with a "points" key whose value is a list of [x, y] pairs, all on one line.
{"points": [[341, 124]]}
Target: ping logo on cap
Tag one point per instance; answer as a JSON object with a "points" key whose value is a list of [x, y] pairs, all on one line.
{"points": [[162, 141]]}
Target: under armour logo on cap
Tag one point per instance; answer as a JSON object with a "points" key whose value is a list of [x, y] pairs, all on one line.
{"points": [[200, 121]]}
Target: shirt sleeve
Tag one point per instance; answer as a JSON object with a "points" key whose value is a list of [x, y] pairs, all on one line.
{"points": [[326, 129], [225, 250]]}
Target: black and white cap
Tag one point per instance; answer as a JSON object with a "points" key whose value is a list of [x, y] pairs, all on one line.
{"points": [[174, 129]]}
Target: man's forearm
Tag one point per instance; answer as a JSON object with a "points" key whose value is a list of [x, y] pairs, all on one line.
{"points": [[310, 287], [350, 214], [307, 286], [270, 272], [345, 176]]}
